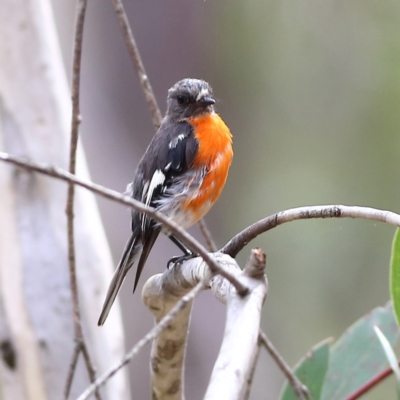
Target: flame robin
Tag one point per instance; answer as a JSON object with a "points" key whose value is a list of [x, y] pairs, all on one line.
{"points": [[181, 174]]}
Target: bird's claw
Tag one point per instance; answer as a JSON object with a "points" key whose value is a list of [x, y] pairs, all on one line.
{"points": [[180, 259]]}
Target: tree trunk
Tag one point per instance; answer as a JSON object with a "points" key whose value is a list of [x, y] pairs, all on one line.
{"points": [[36, 326]]}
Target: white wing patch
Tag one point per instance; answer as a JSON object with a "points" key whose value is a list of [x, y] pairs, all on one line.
{"points": [[157, 179], [174, 142]]}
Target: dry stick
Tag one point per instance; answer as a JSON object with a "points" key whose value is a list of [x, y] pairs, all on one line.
{"points": [[148, 91], [300, 390], [252, 371], [207, 236], [80, 344], [173, 227], [71, 370], [137, 62], [163, 324], [236, 244]]}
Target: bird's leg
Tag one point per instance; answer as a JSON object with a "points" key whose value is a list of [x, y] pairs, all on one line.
{"points": [[188, 254]]}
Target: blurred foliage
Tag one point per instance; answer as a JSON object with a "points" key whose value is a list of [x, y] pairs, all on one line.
{"points": [[395, 275], [311, 91], [360, 354]]}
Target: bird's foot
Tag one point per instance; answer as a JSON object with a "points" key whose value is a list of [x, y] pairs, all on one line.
{"points": [[180, 259]]}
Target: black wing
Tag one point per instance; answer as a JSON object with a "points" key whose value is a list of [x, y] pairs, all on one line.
{"points": [[170, 154]]}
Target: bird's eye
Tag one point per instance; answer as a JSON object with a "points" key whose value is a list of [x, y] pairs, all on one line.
{"points": [[182, 100]]}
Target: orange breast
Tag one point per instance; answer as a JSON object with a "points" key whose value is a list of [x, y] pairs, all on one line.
{"points": [[215, 153]]}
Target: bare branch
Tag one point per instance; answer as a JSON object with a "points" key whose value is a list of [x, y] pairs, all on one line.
{"points": [[300, 390], [137, 62], [252, 372], [174, 228], [80, 344], [160, 294], [239, 241], [71, 371], [76, 119], [163, 324], [232, 368], [207, 236]]}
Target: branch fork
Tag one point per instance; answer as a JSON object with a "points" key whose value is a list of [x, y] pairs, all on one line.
{"points": [[163, 291]]}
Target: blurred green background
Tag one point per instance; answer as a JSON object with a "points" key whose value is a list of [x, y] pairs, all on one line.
{"points": [[311, 92]]}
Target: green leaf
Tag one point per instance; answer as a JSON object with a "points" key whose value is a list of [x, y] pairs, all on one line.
{"points": [[395, 275], [311, 371], [388, 349], [390, 355], [357, 356]]}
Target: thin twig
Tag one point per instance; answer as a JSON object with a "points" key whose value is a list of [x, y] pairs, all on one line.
{"points": [[174, 228], [148, 92], [300, 390], [80, 344], [163, 324], [239, 241], [252, 371], [207, 236], [71, 370], [137, 62]]}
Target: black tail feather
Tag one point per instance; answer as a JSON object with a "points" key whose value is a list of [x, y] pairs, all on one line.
{"points": [[147, 246], [132, 248]]}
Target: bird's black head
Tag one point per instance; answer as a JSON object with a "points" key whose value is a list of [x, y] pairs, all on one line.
{"points": [[189, 98]]}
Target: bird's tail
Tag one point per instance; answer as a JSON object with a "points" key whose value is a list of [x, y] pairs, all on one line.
{"points": [[132, 248]]}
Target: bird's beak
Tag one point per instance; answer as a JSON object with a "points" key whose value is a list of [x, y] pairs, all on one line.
{"points": [[206, 101]]}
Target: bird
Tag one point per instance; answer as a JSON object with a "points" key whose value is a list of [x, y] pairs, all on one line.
{"points": [[181, 174]]}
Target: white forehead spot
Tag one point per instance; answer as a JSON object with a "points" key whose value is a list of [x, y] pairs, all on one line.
{"points": [[174, 142], [203, 93]]}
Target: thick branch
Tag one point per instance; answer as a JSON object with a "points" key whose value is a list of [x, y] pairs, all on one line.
{"points": [[163, 324], [239, 241], [160, 294], [239, 344], [174, 228]]}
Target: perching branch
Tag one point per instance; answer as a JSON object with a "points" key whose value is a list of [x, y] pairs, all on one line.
{"points": [[174, 228], [162, 291], [80, 344], [239, 241], [299, 389], [168, 348], [197, 278], [163, 324], [234, 362]]}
